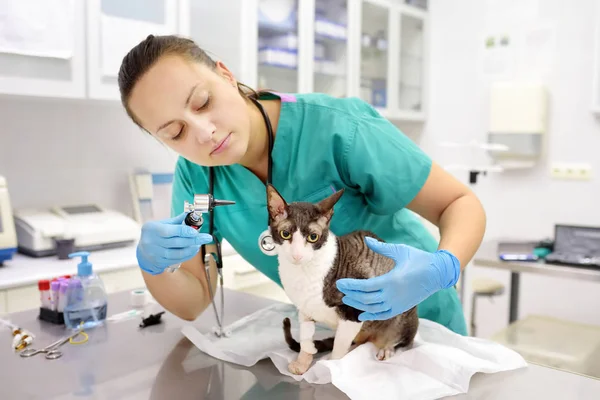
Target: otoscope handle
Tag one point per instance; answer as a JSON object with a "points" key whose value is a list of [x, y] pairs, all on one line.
{"points": [[194, 220]]}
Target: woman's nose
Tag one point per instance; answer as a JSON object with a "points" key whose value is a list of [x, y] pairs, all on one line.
{"points": [[203, 130]]}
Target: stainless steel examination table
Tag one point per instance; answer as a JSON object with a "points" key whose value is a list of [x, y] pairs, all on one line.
{"points": [[120, 361]]}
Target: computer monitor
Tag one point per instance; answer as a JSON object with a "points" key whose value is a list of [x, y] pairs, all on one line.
{"points": [[577, 240]]}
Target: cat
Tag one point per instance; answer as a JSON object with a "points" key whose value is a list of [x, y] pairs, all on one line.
{"points": [[311, 259]]}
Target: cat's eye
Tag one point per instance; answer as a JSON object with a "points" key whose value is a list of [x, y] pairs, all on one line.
{"points": [[285, 234], [313, 237]]}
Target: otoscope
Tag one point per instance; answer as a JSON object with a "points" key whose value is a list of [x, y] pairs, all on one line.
{"points": [[203, 203]]}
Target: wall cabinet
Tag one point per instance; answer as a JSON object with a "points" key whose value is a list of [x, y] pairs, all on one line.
{"points": [[26, 70], [102, 32], [113, 27], [373, 49]]}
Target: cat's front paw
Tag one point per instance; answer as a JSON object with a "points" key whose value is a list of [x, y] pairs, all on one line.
{"points": [[297, 367], [301, 364], [386, 353]]}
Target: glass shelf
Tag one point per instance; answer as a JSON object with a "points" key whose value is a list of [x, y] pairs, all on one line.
{"points": [[411, 64], [278, 45], [330, 47], [374, 54]]}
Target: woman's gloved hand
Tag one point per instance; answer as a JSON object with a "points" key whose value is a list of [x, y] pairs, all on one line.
{"points": [[416, 276], [168, 242]]}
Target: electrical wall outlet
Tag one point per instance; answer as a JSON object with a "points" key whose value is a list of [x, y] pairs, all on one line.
{"points": [[582, 172]]}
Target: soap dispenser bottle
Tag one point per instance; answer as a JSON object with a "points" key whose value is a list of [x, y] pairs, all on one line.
{"points": [[87, 300]]}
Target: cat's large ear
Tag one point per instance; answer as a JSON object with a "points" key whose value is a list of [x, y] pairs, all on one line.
{"points": [[276, 204], [326, 205]]}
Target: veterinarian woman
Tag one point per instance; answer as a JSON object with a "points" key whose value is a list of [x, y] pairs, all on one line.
{"points": [[171, 89]]}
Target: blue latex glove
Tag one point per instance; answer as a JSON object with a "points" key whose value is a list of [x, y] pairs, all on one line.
{"points": [[416, 276], [168, 242]]}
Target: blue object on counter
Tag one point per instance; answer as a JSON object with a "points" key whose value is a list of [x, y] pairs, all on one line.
{"points": [[87, 301], [7, 254]]}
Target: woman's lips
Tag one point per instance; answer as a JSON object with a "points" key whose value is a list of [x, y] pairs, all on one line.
{"points": [[221, 146]]}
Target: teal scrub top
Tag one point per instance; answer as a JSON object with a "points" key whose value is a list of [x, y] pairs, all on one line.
{"points": [[323, 144]]}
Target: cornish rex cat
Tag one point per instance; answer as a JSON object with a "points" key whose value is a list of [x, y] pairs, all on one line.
{"points": [[311, 260]]}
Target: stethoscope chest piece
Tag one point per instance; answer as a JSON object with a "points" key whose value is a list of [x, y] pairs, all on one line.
{"points": [[266, 244]]}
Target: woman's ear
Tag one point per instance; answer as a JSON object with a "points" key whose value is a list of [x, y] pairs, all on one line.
{"points": [[226, 73]]}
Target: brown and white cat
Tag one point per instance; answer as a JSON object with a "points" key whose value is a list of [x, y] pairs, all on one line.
{"points": [[311, 260]]}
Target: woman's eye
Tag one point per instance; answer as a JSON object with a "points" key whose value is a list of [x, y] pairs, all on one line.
{"points": [[204, 105], [285, 235], [313, 237], [179, 135]]}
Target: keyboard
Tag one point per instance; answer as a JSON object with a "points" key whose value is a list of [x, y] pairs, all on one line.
{"points": [[576, 260]]}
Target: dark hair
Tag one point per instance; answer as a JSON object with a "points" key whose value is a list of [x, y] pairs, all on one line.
{"points": [[145, 54]]}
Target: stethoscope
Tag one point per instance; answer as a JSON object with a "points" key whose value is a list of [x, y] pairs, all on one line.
{"points": [[265, 240]]}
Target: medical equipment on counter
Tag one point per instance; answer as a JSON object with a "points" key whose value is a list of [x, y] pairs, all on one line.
{"points": [[87, 300], [8, 235], [53, 298], [152, 319], [518, 119], [93, 227], [21, 337], [51, 352]]}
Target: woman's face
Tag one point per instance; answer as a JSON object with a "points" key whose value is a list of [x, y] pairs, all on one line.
{"points": [[194, 110]]}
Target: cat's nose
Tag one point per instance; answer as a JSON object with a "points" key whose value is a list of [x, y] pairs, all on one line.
{"points": [[297, 257]]}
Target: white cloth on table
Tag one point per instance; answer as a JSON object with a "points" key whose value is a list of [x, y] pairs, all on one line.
{"points": [[440, 363]]}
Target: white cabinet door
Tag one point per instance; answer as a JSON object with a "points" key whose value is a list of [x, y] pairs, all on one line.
{"points": [[376, 23], [125, 279], [331, 67], [412, 55], [280, 46], [116, 26], [40, 57]]}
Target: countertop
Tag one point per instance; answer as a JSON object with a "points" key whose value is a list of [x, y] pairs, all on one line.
{"points": [[487, 256], [23, 270], [121, 361]]}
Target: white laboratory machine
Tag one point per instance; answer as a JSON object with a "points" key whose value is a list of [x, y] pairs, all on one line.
{"points": [[93, 227], [8, 236]]}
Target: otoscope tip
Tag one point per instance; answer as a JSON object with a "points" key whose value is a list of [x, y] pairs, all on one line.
{"points": [[217, 202]]}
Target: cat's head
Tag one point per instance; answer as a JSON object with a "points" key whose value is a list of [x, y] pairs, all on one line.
{"points": [[299, 229]]}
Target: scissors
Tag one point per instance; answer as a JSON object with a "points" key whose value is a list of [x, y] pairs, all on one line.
{"points": [[52, 352]]}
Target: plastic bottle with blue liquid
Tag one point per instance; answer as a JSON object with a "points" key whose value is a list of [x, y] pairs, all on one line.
{"points": [[87, 301]]}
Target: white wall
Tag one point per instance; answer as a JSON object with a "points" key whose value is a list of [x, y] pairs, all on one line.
{"points": [[521, 204], [55, 152]]}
